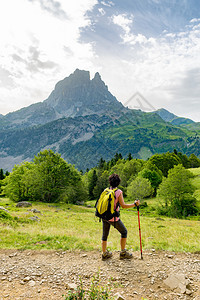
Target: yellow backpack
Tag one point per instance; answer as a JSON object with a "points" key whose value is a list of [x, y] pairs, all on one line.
{"points": [[105, 205]]}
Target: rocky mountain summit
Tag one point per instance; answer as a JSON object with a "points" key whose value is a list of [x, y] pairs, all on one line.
{"points": [[76, 95], [83, 122]]}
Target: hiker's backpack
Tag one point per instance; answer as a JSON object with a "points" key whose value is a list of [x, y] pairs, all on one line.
{"points": [[105, 205]]}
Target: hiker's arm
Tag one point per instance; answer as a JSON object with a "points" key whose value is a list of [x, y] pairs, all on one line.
{"points": [[124, 205]]}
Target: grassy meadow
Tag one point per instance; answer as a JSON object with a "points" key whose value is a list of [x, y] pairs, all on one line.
{"points": [[68, 227]]}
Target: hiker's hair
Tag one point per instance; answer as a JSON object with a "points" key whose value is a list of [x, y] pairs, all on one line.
{"points": [[114, 180]]}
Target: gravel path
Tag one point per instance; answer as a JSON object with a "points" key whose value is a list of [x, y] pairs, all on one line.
{"points": [[50, 274]]}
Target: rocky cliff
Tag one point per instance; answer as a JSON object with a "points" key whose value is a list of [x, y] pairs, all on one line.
{"points": [[76, 95]]}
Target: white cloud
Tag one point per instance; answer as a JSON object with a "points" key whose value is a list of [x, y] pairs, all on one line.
{"points": [[125, 22], [195, 20], [165, 70], [41, 44], [34, 38], [109, 3]]}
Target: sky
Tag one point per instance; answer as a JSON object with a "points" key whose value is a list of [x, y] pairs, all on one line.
{"points": [[146, 51]]}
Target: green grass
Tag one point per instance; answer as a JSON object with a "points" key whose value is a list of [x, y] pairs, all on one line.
{"points": [[70, 227]]}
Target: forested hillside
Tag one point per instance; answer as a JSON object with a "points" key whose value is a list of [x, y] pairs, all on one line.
{"points": [[83, 121], [49, 178]]}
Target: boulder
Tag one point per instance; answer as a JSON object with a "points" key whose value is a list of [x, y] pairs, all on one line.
{"points": [[2, 208], [35, 211], [23, 204], [177, 282], [34, 218]]}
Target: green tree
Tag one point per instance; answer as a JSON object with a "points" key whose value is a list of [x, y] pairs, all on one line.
{"points": [[15, 186], [127, 170], [101, 164], [177, 192], [2, 176], [49, 178], [130, 156], [102, 183], [117, 156], [194, 162], [154, 177], [165, 161], [55, 175], [184, 159], [131, 169], [139, 188], [92, 181]]}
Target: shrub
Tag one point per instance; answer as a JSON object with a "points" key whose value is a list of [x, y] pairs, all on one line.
{"points": [[4, 215], [96, 291]]}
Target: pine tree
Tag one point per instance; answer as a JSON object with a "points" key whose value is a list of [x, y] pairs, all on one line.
{"points": [[1, 174], [92, 184], [130, 156]]}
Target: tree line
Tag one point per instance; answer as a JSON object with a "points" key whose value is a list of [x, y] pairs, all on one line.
{"points": [[49, 178]]}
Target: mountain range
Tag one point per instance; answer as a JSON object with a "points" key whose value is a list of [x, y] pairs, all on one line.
{"points": [[83, 122]]}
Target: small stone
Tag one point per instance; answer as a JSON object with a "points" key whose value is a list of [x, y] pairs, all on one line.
{"points": [[84, 255], [31, 283], [118, 296], [182, 288], [34, 210], [135, 293], [34, 218], [188, 292], [3, 278], [152, 280], [26, 279], [71, 286]]}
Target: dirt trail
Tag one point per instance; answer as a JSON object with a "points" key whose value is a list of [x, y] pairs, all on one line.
{"points": [[49, 274]]}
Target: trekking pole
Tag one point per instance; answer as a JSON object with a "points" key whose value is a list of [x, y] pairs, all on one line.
{"points": [[139, 231]]}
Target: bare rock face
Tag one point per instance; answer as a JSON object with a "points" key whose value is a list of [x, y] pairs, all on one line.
{"points": [[78, 95]]}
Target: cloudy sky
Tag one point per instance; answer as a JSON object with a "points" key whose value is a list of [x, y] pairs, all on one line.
{"points": [[150, 47]]}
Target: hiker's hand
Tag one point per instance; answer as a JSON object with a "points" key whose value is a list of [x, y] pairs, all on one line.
{"points": [[137, 202]]}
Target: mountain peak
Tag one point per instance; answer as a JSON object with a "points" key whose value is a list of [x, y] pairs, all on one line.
{"points": [[80, 75], [75, 95], [173, 119], [79, 95], [97, 76]]}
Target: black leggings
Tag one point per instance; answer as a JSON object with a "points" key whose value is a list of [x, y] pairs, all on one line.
{"points": [[118, 225]]}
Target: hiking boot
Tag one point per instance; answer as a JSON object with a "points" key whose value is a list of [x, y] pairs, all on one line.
{"points": [[106, 255], [124, 254]]}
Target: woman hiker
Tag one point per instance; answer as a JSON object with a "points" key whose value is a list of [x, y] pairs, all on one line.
{"points": [[114, 181]]}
